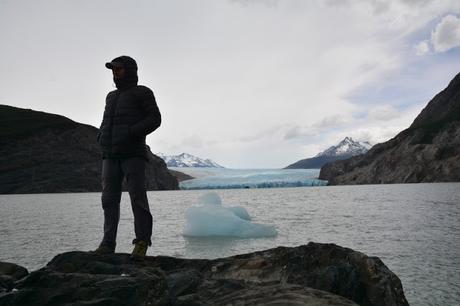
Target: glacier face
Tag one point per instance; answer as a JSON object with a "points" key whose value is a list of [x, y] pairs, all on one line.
{"points": [[187, 160], [250, 178]]}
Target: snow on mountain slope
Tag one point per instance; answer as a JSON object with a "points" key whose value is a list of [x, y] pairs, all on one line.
{"points": [[347, 147], [187, 160]]}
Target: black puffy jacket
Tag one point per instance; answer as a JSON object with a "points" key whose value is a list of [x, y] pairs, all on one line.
{"points": [[130, 115]]}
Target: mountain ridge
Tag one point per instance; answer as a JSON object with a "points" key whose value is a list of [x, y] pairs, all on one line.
{"points": [[427, 151], [346, 148], [185, 160]]}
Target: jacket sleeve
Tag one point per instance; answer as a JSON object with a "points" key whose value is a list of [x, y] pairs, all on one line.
{"points": [[152, 118], [99, 132]]}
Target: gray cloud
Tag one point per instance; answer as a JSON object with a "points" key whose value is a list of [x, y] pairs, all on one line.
{"points": [[269, 3], [331, 121], [293, 132], [446, 35], [297, 132], [337, 2], [326, 123], [380, 7], [266, 133], [223, 72], [416, 3], [193, 141], [422, 47], [384, 113]]}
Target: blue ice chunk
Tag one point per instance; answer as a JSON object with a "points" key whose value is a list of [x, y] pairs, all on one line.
{"points": [[212, 219], [240, 212]]}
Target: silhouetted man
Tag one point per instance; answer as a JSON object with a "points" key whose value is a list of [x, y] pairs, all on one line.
{"points": [[130, 114]]}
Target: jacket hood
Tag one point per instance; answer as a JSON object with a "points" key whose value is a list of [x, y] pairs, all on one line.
{"points": [[130, 77]]}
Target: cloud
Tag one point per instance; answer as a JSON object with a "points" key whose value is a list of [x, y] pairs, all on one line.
{"points": [[374, 135], [266, 133], [226, 72], [382, 123], [380, 7], [293, 132], [384, 113], [446, 35], [298, 132], [343, 3], [416, 3], [422, 47], [331, 121], [323, 125], [269, 3], [193, 141]]}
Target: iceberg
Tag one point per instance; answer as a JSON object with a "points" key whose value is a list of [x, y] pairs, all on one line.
{"points": [[211, 219]]}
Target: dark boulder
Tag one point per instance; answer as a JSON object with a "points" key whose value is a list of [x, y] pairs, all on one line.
{"points": [[313, 274], [9, 273]]}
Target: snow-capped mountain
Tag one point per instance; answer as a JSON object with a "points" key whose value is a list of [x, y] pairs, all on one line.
{"points": [[187, 160], [347, 147]]}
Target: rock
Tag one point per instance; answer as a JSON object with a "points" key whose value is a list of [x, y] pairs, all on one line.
{"points": [[315, 162], [428, 151], [313, 274], [9, 273], [47, 153], [158, 175], [180, 176]]}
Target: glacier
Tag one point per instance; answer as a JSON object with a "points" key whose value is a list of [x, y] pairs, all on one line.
{"points": [[211, 219], [250, 178]]}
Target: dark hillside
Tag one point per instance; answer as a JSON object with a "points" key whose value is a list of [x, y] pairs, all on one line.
{"points": [[315, 162], [46, 153], [18, 123], [427, 151]]}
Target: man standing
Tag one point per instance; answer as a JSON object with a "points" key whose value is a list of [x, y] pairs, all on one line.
{"points": [[130, 114]]}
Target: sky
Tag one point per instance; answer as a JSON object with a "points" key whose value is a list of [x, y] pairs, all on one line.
{"points": [[247, 83]]}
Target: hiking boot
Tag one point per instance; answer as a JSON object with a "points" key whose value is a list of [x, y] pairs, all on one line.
{"points": [[140, 248], [104, 249]]}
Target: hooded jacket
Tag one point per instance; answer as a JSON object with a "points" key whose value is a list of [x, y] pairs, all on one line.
{"points": [[131, 113]]}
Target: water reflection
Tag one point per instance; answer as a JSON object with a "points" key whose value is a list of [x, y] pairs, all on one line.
{"points": [[210, 247]]}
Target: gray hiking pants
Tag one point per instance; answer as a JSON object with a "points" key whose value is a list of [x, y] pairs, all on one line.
{"points": [[113, 172]]}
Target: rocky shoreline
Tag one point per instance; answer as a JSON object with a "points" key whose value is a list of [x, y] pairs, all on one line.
{"points": [[313, 274]]}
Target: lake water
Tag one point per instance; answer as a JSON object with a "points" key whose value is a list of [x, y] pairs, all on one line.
{"points": [[413, 228]]}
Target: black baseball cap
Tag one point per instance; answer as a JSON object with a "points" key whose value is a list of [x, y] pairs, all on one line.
{"points": [[122, 61]]}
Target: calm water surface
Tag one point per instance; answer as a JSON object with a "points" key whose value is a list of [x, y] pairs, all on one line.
{"points": [[413, 228]]}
